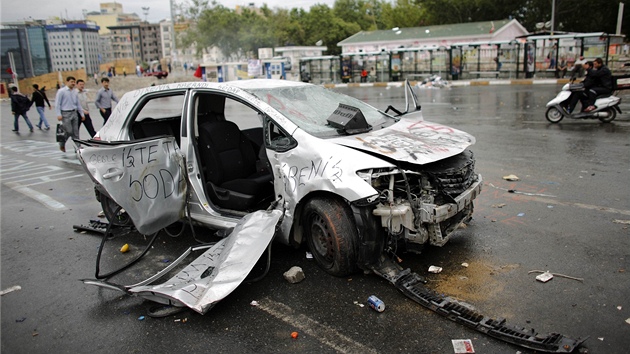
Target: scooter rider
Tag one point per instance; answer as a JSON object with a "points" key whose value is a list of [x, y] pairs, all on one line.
{"points": [[602, 83], [582, 96]]}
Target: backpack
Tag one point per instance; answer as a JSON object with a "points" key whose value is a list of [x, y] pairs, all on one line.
{"points": [[23, 103]]}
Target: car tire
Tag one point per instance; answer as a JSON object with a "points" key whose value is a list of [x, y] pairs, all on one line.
{"points": [[331, 235], [113, 213]]}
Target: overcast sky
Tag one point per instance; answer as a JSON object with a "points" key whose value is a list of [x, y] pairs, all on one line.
{"points": [[158, 9]]}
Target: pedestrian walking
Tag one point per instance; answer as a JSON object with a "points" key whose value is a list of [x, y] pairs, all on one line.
{"points": [[104, 98], [68, 109], [20, 104], [39, 98], [86, 120]]}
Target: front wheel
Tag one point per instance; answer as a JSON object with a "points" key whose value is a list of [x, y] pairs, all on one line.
{"points": [[612, 114], [331, 235], [553, 114]]}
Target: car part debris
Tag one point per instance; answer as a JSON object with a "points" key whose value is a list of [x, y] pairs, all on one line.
{"points": [[511, 178], [462, 346], [555, 274], [412, 285], [376, 304], [215, 273], [95, 226]]}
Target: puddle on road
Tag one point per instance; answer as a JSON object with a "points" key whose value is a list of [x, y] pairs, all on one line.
{"points": [[477, 283]]}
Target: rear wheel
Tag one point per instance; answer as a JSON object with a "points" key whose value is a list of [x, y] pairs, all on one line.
{"points": [[554, 115], [331, 235], [114, 213], [612, 114]]}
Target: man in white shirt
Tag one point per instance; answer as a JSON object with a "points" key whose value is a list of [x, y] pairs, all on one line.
{"points": [[87, 121]]}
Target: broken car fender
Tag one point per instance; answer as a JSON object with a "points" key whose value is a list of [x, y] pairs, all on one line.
{"points": [[219, 270]]}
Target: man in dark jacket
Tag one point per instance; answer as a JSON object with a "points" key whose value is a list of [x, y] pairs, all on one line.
{"points": [[20, 104], [39, 98], [582, 96], [602, 83]]}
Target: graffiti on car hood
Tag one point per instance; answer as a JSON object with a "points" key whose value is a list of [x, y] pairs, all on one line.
{"points": [[417, 142]]}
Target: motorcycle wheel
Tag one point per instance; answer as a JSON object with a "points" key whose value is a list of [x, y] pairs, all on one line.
{"points": [[612, 114], [554, 115]]}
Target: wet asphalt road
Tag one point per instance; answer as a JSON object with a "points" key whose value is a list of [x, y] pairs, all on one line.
{"points": [[572, 195]]}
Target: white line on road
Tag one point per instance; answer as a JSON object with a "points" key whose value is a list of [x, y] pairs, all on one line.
{"points": [[579, 205], [326, 335], [40, 197], [11, 289]]}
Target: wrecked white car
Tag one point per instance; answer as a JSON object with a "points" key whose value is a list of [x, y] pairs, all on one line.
{"points": [[351, 181], [263, 159]]}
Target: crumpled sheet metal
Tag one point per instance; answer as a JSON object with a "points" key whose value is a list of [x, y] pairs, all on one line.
{"points": [[219, 270], [146, 178]]}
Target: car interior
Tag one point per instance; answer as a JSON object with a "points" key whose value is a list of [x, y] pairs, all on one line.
{"points": [[231, 150], [232, 157]]}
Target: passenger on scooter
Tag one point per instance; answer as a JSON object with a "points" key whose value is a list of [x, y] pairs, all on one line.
{"points": [[602, 83], [582, 96], [578, 68]]}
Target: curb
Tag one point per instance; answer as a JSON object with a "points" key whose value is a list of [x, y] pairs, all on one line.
{"points": [[459, 83]]}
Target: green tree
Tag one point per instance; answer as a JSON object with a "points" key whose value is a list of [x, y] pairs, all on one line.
{"points": [[404, 13], [321, 24]]}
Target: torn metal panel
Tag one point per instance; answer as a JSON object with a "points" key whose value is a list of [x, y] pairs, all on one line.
{"points": [[411, 140], [146, 178], [219, 270]]}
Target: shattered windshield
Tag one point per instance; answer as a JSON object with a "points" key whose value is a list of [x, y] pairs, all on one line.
{"points": [[309, 107]]}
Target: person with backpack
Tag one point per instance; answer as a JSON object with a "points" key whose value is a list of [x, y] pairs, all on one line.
{"points": [[39, 98], [20, 104]]}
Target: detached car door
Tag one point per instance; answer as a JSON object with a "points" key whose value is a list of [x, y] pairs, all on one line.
{"points": [[145, 177]]}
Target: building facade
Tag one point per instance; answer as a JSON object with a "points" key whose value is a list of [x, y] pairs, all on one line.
{"points": [[111, 14], [431, 37], [74, 46], [139, 42], [14, 40]]}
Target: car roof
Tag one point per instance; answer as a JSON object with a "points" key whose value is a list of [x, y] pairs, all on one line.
{"points": [[264, 83], [245, 85]]}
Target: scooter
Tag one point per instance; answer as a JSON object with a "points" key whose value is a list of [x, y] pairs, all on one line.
{"points": [[606, 106]]}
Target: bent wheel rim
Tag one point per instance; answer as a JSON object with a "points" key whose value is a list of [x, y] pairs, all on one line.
{"points": [[321, 239]]}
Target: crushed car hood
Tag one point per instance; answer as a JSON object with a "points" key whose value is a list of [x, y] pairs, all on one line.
{"points": [[411, 140]]}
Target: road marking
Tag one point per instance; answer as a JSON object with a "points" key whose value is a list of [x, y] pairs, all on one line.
{"points": [[30, 173], [11, 289], [326, 335], [579, 205], [34, 148], [40, 197]]}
